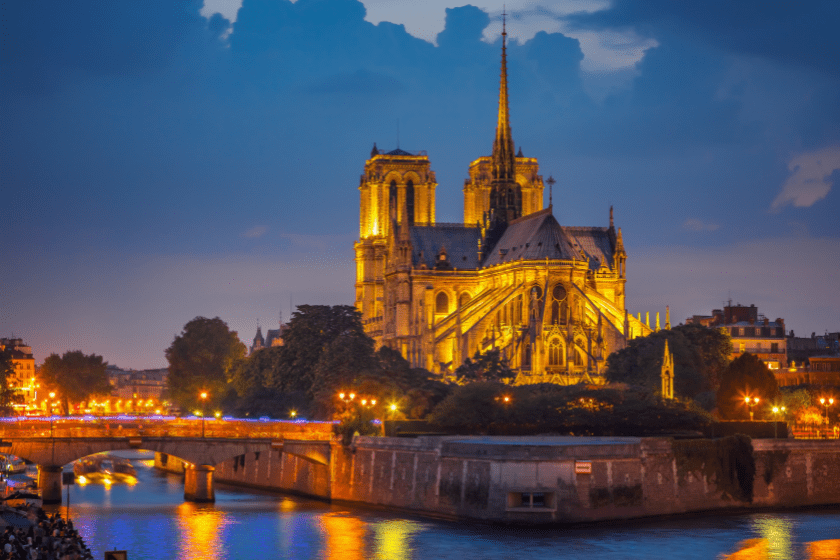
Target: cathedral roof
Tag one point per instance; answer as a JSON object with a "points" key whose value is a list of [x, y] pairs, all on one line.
{"points": [[399, 152], [539, 236], [596, 242], [460, 243]]}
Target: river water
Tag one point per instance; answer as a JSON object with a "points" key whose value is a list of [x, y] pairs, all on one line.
{"points": [[151, 521]]}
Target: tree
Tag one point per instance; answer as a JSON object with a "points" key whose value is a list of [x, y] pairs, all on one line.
{"points": [[746, 376], [489, 366], [8, 396], [202, 358], [312, 329], [495, 408], [701, 354], [74, 377]]}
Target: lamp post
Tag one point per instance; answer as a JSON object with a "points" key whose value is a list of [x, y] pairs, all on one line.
{"points": [[203, 396], [777, 410], [826, 402], [50, 406], [751, 402]]}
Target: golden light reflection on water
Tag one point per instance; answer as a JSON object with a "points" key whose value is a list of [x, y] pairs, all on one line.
{"points": [[777, 533], [751, 549], [344, 535], [200, 532], [392, 539], [824, 550]]}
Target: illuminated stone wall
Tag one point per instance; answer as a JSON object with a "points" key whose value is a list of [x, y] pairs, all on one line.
{"points": [[538, 480]]}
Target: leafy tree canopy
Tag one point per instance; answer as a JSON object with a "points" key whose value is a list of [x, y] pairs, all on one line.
{"points": [[311, 331], [74, 377], [746, 376], [487, 366], [325, 352], [202, 358], [701, 355], [8, 396], [481, 408]]}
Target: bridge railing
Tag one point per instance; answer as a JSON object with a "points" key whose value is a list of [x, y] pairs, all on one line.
{"points": [[160, 426]]}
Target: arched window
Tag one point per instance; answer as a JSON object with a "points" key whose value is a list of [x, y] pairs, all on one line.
{"points": [[409, 202], [465, 299], [555, 313], [526, 356], [578, 357], [442, 303], [392, 201], [555, 352]]}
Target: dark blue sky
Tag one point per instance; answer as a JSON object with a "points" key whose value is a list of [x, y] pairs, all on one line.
{"points": [[157, 165]]}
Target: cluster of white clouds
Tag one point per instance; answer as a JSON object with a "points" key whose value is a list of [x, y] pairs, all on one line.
{"points": [[810, 179], [604, 52]]}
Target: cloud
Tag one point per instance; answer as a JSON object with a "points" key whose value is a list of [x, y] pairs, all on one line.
{"points": [[255, 232], [810, 180], [693, 224]]}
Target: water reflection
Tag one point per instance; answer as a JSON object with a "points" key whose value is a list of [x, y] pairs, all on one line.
{"points": [[201, 532], [393, 539], [824, 550], [776, 532], [345, 536]]}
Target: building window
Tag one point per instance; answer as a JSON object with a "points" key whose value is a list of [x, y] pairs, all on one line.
{"points": [[774, 347], [465, 299], [741, 331], [555, 352], [442, 303], [743, 347]]}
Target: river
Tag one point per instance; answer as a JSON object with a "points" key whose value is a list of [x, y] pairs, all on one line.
{"points": [[151, 521]]}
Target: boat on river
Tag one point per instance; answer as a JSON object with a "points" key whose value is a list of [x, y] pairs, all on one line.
{"points": [[104, 468], [11, 464]]}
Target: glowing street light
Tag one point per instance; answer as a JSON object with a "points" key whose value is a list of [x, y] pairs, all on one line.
{"points": [[826, 402], [751, 402], [777, 410], [203, 396]]}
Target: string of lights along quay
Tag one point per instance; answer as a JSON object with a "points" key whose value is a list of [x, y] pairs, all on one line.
{"points": [[150, 519]]}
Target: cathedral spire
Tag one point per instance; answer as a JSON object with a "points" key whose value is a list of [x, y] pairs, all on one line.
{"points": [[505, 195], [503, 158]]}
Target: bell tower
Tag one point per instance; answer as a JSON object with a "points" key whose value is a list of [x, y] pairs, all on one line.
{"points": [[397, 189]]}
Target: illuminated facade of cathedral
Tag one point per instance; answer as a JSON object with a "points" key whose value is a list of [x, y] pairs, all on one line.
{"points": [[550, 297]]}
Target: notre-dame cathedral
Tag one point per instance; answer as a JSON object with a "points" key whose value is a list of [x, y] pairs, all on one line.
{"points": [[550, 297]]}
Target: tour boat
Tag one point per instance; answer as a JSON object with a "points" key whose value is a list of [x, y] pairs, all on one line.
{"points": [[12, 465]]}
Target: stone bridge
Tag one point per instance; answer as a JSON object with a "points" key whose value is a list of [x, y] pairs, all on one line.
{"points": [[200, 453]]}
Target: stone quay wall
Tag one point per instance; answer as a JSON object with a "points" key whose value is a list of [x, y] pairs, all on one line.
{"points": [[551, 479]]}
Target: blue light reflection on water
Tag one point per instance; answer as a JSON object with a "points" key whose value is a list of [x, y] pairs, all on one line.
{"points": [[151, 520]]}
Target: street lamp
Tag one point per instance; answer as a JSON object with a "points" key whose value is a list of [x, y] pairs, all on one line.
{"points": [[751, 402], [777, 410], [826, 402], [203, 396]]}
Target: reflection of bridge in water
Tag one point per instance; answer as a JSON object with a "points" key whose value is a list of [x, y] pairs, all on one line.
{"points": [[200, 444]]}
